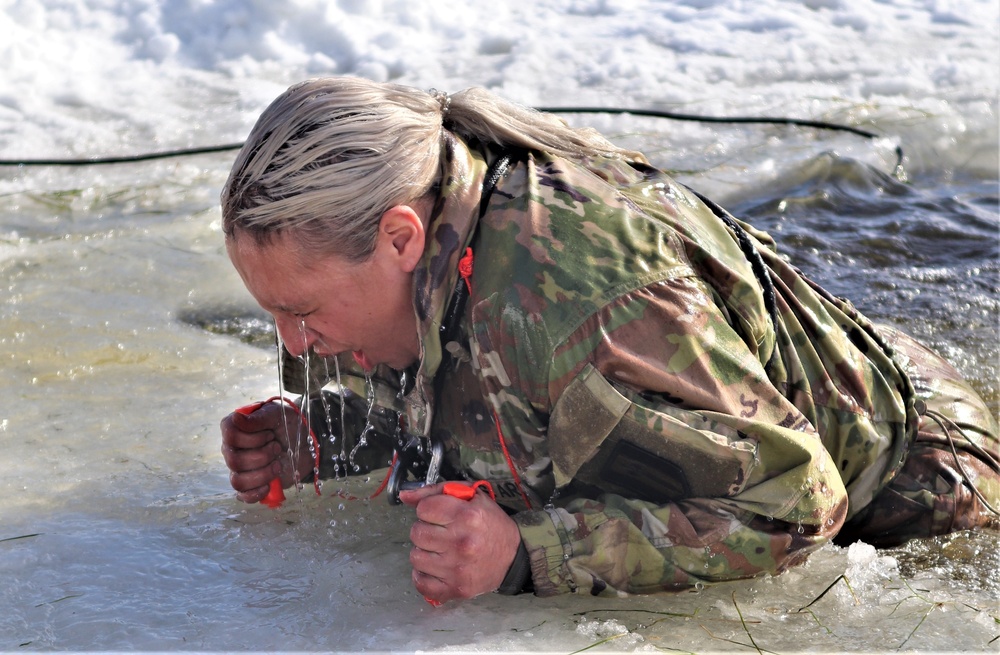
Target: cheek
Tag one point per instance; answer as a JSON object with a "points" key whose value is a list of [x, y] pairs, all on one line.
{"points": [[329, 328]]}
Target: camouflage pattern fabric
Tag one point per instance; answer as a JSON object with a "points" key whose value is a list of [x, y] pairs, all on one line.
{"points": [[665, 431], [953, 453]]}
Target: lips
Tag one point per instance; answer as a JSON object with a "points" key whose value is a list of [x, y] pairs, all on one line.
{"points": [[362, 360]]}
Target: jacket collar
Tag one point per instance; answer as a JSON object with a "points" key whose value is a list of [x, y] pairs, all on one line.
{"points": [[451, 228]]}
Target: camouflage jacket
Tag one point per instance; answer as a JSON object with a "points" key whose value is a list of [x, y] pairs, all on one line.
{"points": [[657, 397]]}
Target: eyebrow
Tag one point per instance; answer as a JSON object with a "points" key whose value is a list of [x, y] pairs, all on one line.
{"points": [[289, 309]]}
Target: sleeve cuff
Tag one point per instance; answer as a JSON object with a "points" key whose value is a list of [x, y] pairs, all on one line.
{"points": [[518, 578]]}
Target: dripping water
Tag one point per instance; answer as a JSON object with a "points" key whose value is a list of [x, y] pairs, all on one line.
{"points": [[306, 405], [343, 461], [343, 414], [281, 395], [363, 437]]}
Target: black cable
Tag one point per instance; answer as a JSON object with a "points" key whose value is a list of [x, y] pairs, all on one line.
{"points": [[771, 120], [121, 160], [822, 125], [778, 120]]}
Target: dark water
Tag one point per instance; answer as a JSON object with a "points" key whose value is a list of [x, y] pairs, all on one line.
{"points": [[921, 255]]}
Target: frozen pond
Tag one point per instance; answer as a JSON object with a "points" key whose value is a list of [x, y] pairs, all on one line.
{"points": [[118, 528]]}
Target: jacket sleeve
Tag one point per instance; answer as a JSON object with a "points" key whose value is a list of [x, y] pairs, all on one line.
{"points": [[678, 460]]}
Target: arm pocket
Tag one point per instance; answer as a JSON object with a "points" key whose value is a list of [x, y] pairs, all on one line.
{"points": [[622, 443]]}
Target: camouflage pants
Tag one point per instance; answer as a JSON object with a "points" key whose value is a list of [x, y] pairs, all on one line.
{"points": [[933, 493]]}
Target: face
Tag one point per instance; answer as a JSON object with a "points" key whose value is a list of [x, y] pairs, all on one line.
{"points": [[331, 305]]}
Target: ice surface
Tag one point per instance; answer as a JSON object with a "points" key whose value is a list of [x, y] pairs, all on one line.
{"points": [[118, 529]]}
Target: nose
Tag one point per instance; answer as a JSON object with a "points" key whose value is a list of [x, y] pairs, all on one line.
{"points": [[294, 335]]}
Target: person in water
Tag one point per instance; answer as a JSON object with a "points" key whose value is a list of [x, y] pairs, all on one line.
{"points": [[656, 397]]}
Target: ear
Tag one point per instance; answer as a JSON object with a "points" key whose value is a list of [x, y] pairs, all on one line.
{"points": [[401, 237]]}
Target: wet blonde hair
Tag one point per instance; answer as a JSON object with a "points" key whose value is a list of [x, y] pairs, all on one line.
{"points": [[329, 156]]}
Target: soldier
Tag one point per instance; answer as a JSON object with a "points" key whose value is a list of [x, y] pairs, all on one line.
{"points": [[656, 397]]}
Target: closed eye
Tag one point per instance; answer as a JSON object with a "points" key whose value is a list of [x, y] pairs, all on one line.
{"points": [[294, 313]]}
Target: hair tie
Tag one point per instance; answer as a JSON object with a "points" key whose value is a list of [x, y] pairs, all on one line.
{"points": [[444, 101]]}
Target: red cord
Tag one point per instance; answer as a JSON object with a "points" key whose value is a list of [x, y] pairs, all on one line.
{"points": [[275, 494], [385, 482], [510, 462], [465, 268], [381, 487], [464, 491]]}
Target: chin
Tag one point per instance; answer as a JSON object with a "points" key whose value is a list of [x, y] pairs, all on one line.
{"points": [[402, 365]]}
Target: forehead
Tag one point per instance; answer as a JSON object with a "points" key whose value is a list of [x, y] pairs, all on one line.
{"points": [[252, 257], [284, 277], [280, 243], [275, 272]]}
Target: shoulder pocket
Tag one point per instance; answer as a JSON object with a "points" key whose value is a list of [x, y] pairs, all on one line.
{"points": [[614, 439]]}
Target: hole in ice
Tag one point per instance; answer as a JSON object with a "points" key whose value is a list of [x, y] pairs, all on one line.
{"points": [[250, 325]]}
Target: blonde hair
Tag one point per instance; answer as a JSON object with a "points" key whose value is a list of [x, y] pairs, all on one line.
{"points": [[329, 156]]}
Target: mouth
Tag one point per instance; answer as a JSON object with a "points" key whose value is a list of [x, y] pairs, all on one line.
{"points": [[362, 360]]}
